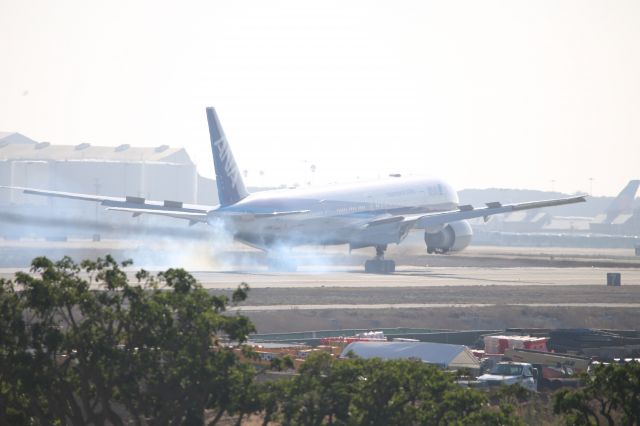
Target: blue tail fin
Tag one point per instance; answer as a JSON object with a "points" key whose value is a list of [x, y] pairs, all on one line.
{"points": [[228, 178]]}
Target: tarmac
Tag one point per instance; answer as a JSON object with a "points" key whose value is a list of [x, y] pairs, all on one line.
{"points": [[484, 287], [349, 277], [270, 308]]}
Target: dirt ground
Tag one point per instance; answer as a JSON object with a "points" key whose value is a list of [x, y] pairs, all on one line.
{"points": [[487, 318], [502, 294]]}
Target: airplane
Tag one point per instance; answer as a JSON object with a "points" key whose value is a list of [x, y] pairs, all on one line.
{"points": [[623, 203], [359, 215], [561, 226]]}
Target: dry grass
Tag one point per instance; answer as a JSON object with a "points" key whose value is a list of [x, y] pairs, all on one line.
{"points": [[447, 318]]}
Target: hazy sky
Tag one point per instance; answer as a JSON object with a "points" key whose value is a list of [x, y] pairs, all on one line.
{"points": [[483, 94]]}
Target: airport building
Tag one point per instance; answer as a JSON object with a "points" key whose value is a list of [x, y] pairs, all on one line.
{"points": [[443, 355], [159, 173], [154, 173]]}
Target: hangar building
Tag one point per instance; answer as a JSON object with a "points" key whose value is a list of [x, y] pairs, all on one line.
{"points": [[156, 173], [440, 354], [153, 173]]}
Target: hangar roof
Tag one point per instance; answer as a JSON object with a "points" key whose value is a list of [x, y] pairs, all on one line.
{"points": [[13, 137], [123, 153], [444, 355]]}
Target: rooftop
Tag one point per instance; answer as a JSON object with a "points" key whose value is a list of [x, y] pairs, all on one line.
{"points": [[14, 147], [14, 138]]}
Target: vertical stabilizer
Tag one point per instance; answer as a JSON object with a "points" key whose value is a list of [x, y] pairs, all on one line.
{"points": [[624, 201], [231, 189]]}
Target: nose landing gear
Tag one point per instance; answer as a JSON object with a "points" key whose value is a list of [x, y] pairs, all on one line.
{"points": [[378, 265]]}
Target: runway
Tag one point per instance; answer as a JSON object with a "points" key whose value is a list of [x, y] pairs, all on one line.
{"points": [[405, 276], [349, 277], [271, 308], [442, 297], [439, 297]]}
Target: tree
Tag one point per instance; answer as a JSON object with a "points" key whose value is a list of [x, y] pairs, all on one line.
{"points": [[611, 394], [13, 337], [356, 391], [79, 344]]}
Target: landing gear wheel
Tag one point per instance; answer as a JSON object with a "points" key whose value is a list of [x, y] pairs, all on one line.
{"points": [[370, 267], [378, 266]]}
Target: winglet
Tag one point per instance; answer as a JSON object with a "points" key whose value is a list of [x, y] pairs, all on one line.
{"points": [[231, 189]]}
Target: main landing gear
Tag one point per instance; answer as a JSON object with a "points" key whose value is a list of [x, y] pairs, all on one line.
{"points": [[378, 265]]}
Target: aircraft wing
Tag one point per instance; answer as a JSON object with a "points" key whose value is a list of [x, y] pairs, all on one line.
{"points": [[60, 194], [134, 205], [178, 214], [255, 215], [201, 216], [469, 212]]}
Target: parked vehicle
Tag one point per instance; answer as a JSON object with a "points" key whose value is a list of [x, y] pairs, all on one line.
{"points": [[555, 370], [511, 373]]}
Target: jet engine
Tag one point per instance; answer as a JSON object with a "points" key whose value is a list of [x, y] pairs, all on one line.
{"points": [[455, 236]]}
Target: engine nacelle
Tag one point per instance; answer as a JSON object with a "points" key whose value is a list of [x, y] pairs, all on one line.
{"points": [[455, 236]]}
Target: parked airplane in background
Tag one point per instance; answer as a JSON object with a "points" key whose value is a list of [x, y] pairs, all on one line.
{"points": [[572, 226], [361, 215], [623, 203]]}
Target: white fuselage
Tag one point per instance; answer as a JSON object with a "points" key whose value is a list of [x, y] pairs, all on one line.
{"points": [[331, 215]]}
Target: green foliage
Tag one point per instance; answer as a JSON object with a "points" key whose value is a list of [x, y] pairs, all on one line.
{"points": [[79, 344], [513, 394], [611, 396], [82, 344], [375, 392]]}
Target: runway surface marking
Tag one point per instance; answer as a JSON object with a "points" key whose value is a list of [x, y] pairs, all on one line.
{"points": [[429, 306]]}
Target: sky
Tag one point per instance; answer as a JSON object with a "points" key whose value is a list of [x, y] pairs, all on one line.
{"points": [[508, 94]]}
